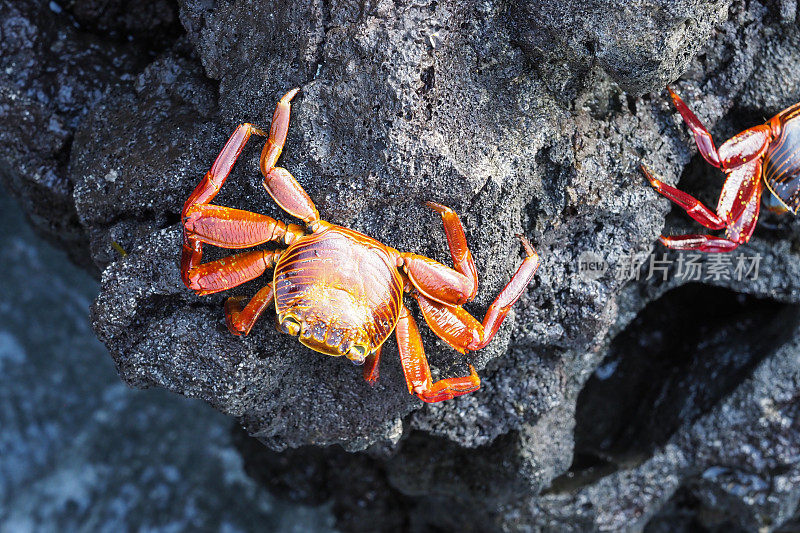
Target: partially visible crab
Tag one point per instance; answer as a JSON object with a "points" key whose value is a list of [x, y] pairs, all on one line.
{"points": [[339, 291], [768, 154]]}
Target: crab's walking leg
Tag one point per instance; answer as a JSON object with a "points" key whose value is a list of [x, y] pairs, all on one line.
{"points": [[417, 371], [229, 272], [207, 189], [701, 136], [690, 204], [699, 243], [280, 184], [240, 319], [460, 329], [371, 370], [457, 242], [278, 130], [234, 228], [212, 182], [737, 233]]}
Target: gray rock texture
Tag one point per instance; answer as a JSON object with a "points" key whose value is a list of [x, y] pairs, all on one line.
{"points": [[525, 117]]}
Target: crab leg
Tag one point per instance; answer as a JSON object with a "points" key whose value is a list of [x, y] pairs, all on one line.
{"points": [[457, 242], [417, 371], [234, 228], [371, 370], [699, 243], [207, 189], [212, 182], [280, 184], [240, 319], [693, 207], [460, 329], [701, 136], [229, 272], [737, 233]]}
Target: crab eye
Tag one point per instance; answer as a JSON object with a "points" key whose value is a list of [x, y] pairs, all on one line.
{"points": [[291, 326], [357, 354]]}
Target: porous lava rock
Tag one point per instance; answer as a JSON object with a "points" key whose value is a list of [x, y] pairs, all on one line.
{"points": [[524, 117]]}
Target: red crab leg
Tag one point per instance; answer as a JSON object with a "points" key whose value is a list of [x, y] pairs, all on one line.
{"points": [[737, 233], [693, 207], [212, 182], [280, 184], [436, 281], [226, 273], [234, 228], [457, 242], [289, 195], [701, 136], [371, 370], [700, 243], [460, 329], [417, 371], [208, 188], [278, 130], [240, 319]]}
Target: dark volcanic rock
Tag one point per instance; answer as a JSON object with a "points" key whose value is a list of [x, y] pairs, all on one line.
{"points": [[525, 117], [642, 45], [51, 74], [374, 132]]}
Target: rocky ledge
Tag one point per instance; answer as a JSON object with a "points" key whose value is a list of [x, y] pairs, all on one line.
{"points": [[609, 402]]}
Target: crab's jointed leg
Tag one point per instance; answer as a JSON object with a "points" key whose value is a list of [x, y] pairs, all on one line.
{"points": [[693, 207], [230, 272], [240, 319], [737, 232], [371, 364], [235, 228], [460, 329], [457, 242], [280, 184], [705, 144], [417, 371]]}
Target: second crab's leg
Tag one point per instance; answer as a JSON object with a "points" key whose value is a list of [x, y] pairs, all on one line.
{"points": [[417, 371], [705, 144], [699, 243], [693, 207], [737, 233], [460, 329]]}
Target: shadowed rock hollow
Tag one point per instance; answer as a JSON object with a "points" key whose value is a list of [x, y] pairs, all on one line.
{"points": [[524, 117]]}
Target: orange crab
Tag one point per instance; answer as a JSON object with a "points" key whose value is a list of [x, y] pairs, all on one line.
{"points": [[339, 291], [765, 155]]}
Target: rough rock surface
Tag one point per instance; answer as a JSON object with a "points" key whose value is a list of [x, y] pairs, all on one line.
{"points": [[526, 117]]}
